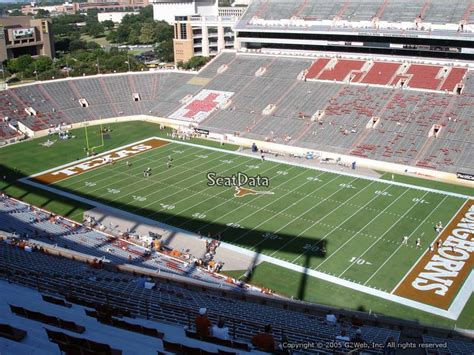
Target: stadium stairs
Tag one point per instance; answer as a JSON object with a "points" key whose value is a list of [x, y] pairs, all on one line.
{"points": [[119, 302]]}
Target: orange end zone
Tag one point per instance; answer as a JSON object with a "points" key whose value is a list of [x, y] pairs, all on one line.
{"points": [[97, 161], [439, 274]]}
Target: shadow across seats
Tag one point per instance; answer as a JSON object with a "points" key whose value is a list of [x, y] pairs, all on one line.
{"points": [[47, 319], [209, 339], [72, 345], [119, 323], [56, 301], [12, 333]]}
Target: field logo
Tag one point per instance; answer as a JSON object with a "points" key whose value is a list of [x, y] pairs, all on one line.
{"points": [[239, 179], [242, 183], [243, 191]]}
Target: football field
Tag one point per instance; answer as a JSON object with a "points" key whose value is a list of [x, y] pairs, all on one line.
{"points": [[341, 225]]}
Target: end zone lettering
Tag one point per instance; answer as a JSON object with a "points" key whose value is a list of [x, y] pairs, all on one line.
{"points": [[102, 160], [440, 273], [97, 161]]}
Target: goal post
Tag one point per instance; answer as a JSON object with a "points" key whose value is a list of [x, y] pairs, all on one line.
{"points": [[91, 142]]}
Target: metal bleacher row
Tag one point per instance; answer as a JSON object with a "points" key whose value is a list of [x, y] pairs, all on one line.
{"points": [[32, 223], [169, 302], [416, 76], [433, 11], [402, 135]]}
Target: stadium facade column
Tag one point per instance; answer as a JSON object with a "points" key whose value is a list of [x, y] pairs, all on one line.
{"points": [[205, 41], [220, 35], [237, 44]]}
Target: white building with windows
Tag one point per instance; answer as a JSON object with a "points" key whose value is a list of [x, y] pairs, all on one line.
{"points": [[205, 35], [167, 10]]}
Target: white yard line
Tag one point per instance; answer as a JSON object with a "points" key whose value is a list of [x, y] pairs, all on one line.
{"points": [[421, 256], [314, 222], [189, 188], [361, 229], [135, 169], [209, 198], [245, 204], [453, 312], [279, 212], [99, 171], [166, 185], [342, 223], [388, 230], [137, 181], [409, 236]]}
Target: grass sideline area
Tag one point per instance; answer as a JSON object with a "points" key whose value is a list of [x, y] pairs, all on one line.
{"points": [[438, 185], [198, 210], [287, 282]]}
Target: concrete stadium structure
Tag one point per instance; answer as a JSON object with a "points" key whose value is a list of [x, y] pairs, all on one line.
{"points": [[422, 28], [408, 125]]}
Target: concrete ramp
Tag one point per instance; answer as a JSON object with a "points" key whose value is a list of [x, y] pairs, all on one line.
{"points": [[116, 223]]}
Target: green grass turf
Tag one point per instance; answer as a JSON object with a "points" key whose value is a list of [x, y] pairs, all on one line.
{"points": [[303, 212], [429, 183], [288, 283], [341, 225], [29, 157]]}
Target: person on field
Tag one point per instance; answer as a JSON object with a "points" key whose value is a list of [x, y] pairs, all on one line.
{"points": [[405, 239]]}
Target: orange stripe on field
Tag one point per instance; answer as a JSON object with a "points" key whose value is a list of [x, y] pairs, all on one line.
{"points": [[439, 274], [98, 161]]}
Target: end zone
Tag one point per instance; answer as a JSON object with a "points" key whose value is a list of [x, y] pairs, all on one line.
{"points": [[439, 274], [88, 164]]}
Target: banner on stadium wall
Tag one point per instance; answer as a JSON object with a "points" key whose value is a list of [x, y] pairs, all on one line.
{"points": [[201, 131], [465, 176]]}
